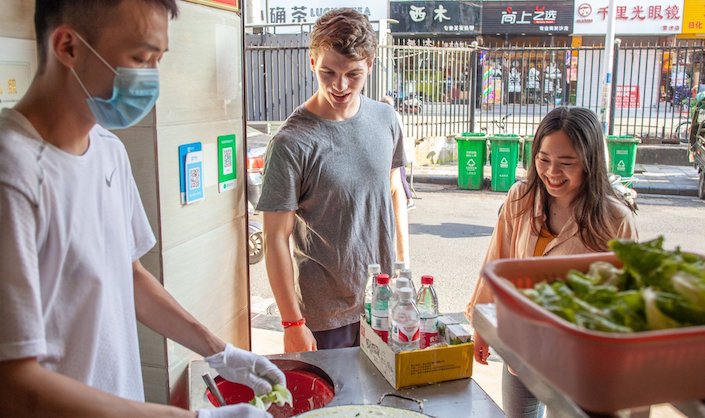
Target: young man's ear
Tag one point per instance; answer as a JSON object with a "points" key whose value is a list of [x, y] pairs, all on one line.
{"points": [[62, 44], [312, 61]]}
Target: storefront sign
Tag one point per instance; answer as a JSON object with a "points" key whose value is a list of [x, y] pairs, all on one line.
{"points": [[308, 11], [627, 97], [528, 17], [435, 17], [655, 17], [694, 17]]}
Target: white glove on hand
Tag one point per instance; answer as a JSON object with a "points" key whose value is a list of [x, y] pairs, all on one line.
{"points": [[248, 368], [241, 410]]}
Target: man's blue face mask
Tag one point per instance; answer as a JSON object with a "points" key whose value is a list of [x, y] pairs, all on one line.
{"points": [[135, 90]]}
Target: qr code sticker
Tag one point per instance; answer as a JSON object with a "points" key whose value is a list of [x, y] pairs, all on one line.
{"points": [[194, 176], [227, 161]]}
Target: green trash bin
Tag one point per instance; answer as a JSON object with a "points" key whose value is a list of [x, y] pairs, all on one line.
{"points": [[622, 151], [527, 157], [471, 160], [505, 154]]}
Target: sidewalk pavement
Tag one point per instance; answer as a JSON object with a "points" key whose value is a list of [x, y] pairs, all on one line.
{"points": [[648, 178]]}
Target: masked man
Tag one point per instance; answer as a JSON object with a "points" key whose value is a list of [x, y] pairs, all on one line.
{"points": [[72, 226]]}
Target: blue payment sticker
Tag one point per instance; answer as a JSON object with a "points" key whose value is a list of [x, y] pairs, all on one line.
{"points": [[183, 150], [194, 177]]}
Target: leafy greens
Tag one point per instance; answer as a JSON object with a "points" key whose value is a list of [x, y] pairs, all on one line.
{"points": [[656, 289]]}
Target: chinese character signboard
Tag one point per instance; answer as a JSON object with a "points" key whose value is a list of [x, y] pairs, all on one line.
{"points": [[694, 17], [627, 97], [447, 17], [528, 17], [654, 17], [308, 11]]}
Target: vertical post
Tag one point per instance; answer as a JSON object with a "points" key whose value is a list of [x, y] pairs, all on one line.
{"points": [[606, 73], [473, 87], [385, 73], [613, 88]]}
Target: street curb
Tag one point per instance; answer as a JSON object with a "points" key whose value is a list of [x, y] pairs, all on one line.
{"points": [[640, 189]]}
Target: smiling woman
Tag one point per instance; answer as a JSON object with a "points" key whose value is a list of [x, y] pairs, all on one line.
{"points": [[565, 206]]}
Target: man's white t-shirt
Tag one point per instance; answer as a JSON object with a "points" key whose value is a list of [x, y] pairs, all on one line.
{"points": [[70, 228]]}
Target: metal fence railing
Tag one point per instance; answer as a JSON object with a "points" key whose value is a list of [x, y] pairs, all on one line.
{"points": [[444, 90]]}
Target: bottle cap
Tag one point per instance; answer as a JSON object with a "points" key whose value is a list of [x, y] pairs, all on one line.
{"points": [[383, 279], [399, 265], [403, 282], [405, 273], [426, 279], [374, 268]]}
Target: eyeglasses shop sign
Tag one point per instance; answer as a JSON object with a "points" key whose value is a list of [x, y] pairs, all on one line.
{"points": [[435, 16], [642, 17], [308, 11], [528, 17]]}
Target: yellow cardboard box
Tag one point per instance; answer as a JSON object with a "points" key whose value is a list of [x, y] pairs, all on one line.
{"points": [[420, 367]]}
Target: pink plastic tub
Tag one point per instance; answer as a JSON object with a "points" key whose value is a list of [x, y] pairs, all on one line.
{"points": [[601, 372]]}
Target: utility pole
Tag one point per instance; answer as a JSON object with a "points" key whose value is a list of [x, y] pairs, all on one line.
{"points": [[253, 12], [607, 75]]}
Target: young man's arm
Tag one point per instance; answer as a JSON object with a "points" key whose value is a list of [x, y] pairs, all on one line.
{"points": [[278, 227], [158, 310], [401, 216], [29, 390]]}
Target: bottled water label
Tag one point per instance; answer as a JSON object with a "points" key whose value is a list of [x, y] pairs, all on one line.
{"points": [[429, 339], [429, 332], [380, 324], [406, 334]]}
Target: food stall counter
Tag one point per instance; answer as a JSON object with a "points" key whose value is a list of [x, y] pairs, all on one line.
{"points": [[358, 382]]}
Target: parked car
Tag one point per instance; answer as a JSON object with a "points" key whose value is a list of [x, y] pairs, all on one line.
{"points": [[257, 143]]}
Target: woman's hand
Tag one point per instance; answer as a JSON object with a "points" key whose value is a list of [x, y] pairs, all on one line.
{"points": [[482, 350]]}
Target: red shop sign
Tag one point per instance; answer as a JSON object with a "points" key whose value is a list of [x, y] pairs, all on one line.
{"points": [[627, 97]]}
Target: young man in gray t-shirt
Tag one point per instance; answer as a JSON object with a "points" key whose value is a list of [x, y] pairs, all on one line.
{"points": [[332, 181]]}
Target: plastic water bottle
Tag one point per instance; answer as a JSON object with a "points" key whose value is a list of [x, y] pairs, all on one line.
{"points": [[407, 273], [396, 273], [373, 271], [401, 282], [427, 304], [380, 307], [406, 323]]}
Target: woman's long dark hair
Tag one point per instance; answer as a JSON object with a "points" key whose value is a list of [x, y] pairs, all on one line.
{"points": [[591, 206]]}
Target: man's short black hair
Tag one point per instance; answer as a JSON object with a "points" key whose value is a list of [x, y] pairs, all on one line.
{"points": [[86, 15]]}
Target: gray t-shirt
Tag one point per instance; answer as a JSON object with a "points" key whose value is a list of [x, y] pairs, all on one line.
{"points": [[336, 176]]}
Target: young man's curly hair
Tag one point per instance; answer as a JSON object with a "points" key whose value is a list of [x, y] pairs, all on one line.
{"points": [[346, 32]]}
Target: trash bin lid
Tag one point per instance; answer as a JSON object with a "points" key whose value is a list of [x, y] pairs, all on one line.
{"points": [[471, 136], [505, 137], [622, 138]]}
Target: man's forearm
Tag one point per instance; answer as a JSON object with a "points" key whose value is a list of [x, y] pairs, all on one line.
{"points": [[158, 310], [28, 390], [281, 277], [401, 217]]}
